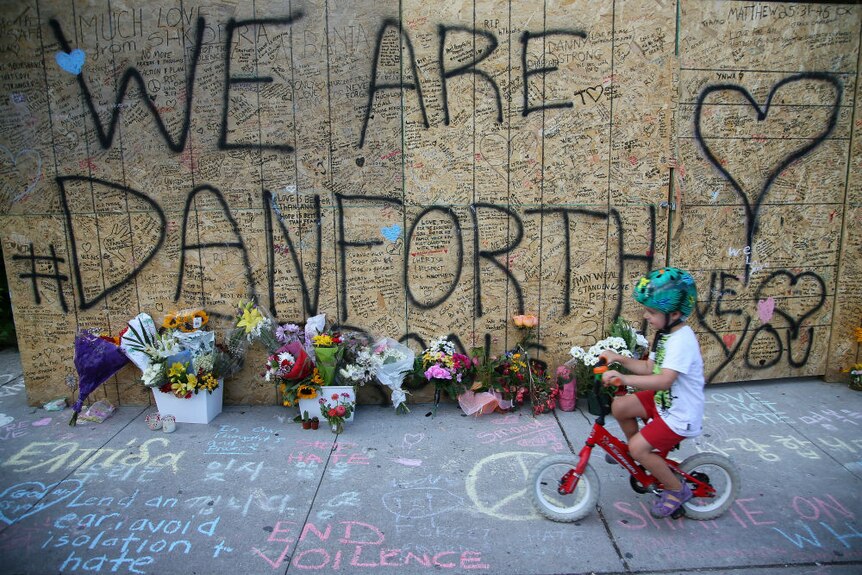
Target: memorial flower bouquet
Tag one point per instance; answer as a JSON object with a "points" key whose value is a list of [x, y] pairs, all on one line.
{"points": [[622, 339], [856, 377], [254, 323], [450, 372], [391, 362], [336, 409], [356, 366], [509, 380], [291, 369], [327, 350]]}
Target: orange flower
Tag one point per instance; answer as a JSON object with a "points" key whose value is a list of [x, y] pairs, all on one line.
{"points": [[526, 321], [858, 332]]}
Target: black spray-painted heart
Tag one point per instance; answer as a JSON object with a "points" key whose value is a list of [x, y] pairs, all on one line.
{"points": [[752, 209], [792, 280]]}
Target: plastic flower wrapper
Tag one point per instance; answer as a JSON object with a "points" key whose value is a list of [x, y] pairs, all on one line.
{"points": [[138, 339], [96, 360], [391, 362], [355, 367], [253, 323], [289, 367]]}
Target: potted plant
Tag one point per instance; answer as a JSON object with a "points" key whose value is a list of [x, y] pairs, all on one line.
{"points": [[337, 409], [315, 422], [306, 421]]}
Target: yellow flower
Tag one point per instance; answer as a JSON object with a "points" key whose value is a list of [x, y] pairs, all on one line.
{"points": [[177, 370], [306, 392], [322, 340], [250, 319], [858, 332], [170, 321], [316, 378]]}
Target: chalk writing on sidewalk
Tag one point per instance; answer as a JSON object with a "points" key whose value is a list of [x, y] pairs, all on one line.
{"points": [[354, 544]]}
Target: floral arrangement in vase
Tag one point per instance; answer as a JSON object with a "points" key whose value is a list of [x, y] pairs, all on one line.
{"points": [[336, 410], [180, 357]]}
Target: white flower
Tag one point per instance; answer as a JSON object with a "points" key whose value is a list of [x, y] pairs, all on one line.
{"points": [[442, 344], [577, 352], [286, 356]]}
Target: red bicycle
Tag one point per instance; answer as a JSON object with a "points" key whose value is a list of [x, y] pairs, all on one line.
{"points": [[564, 488]]}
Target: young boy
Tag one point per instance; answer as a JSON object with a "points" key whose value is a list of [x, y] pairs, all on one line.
{"points": [[670, 384]]}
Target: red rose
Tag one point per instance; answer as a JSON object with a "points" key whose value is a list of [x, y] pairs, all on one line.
{"points": [[332, 412]]}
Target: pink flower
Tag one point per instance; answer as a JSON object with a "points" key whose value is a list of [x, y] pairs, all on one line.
{"points": [[437, 372], [340, 411]]}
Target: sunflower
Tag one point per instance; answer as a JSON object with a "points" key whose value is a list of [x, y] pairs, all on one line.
{"points": [[306, 392], [171, 321]]}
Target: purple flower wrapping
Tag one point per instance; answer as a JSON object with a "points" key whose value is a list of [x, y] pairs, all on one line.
{"points": [[96, 360]]}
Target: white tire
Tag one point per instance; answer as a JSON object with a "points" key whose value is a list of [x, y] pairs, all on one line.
{"points": [[544, 480]]}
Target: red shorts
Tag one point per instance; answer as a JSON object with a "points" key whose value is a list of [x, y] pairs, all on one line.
{"points": [[656, 432]]}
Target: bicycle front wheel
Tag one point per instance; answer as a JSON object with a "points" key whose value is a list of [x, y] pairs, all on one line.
{"points": [[545, 479]]}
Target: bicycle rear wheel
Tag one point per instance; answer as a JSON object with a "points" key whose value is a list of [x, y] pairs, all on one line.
{"points": [[719, 472], [545, 479]]}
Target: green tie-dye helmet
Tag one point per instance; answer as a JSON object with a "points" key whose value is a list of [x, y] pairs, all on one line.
{"points": [[667, 290]]}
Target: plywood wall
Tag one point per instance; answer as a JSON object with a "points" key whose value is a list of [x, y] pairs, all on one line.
{"points": [[417, 169]]}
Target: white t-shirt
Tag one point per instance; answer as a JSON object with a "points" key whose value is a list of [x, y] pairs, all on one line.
{"points": [[681, 406]]}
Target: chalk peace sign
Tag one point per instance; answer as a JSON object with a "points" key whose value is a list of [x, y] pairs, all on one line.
{"points": [[497, 485]]}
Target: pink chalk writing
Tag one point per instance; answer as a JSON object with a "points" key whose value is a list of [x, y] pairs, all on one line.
{"points": [[357, 544]]}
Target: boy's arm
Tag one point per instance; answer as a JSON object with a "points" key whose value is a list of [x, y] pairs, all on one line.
{"points": [[651, 382], [636, 366]]}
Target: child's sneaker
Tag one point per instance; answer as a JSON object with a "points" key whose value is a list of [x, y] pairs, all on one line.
{"points": [[670, 501]]}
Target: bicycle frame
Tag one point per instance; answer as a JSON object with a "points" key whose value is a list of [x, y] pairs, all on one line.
{"points": [[601, 437]]}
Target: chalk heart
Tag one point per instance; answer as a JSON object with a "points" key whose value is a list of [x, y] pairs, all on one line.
{"points": [[71, 62], [391, 233], [24, 499], [411, 439]]}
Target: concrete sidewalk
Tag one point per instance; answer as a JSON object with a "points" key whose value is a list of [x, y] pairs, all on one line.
{"points": [[253, 493]]}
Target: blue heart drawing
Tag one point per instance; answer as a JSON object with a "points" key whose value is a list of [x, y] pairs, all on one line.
{"points": [[391, 233], [71, 62]]}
